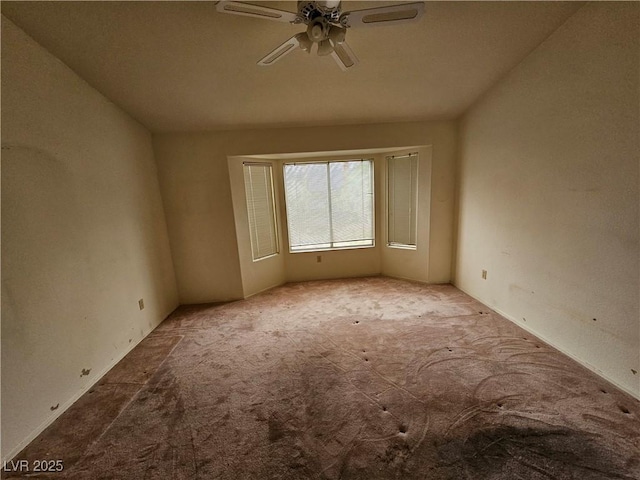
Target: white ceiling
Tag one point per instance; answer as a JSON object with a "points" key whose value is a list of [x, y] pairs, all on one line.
{"points": [[178, 66]]}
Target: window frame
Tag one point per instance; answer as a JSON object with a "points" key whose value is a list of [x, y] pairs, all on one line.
{"points": [[314, 248], [273, 216]]}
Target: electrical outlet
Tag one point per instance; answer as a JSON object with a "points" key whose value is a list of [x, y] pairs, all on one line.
{"points": [[484, 274], [141, 304], [319, 259]]}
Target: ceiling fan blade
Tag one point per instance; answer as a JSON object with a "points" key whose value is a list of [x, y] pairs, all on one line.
{"points": [[344, 56], [256, 11], [391, 15], [285, 49]]}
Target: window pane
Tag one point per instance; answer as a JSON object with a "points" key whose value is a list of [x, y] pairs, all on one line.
{"points": [[329, 204], [351, 201], [307, 199], [260, 209], [402, 188]]}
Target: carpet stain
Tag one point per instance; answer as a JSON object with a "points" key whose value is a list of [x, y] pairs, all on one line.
{"points": [[396, 454], [555, 453], [277, 429]]}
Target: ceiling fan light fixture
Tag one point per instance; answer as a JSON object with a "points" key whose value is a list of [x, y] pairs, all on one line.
{"points": [[325, 48], [337, 34], [317, 30], [305, 43]]}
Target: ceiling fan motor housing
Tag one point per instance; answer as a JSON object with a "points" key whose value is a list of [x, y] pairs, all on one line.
{"points": [[310, 10]]}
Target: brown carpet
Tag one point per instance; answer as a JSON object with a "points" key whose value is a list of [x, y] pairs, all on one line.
{"points": [[351, 379]]}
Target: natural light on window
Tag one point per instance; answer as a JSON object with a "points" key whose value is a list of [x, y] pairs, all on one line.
{"points": [[329, 205], [402, 200], [258, 185]]}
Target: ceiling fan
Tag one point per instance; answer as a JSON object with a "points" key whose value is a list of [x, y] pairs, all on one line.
{"points": [[326, 25]]}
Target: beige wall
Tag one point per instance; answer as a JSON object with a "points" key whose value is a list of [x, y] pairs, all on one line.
{"points": [[194, 181], [548, 183], [199, 203], [83, 238], [264, 273]]}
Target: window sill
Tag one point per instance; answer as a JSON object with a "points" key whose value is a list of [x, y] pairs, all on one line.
{"points": [[332, 249], [266, 258], [402, 247]]}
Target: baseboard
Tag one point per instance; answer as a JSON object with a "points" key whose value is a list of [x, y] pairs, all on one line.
{"points": [[398, 277], [264, 290], [415, 280], [63, 408], [545, 339]]}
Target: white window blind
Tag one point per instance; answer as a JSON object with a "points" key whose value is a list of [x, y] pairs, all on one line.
{"points": [[402, 202], [329, 204], [258, 185]]}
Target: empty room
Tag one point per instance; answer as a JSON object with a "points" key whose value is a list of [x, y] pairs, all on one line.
{"points": [[320, 240]]}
